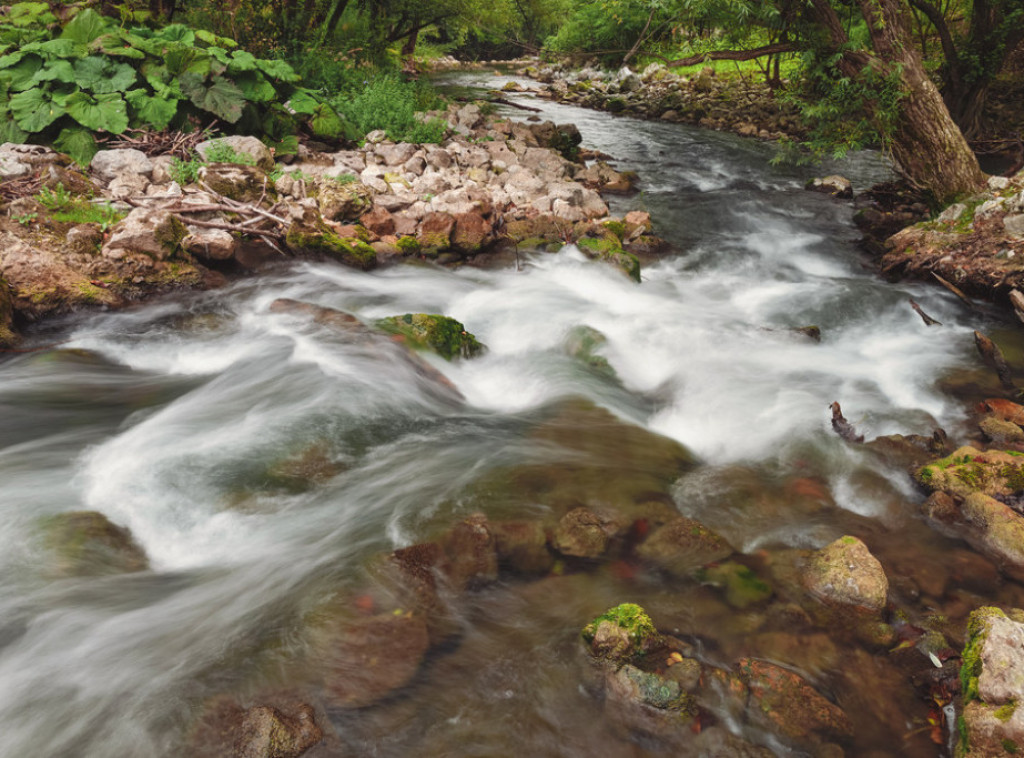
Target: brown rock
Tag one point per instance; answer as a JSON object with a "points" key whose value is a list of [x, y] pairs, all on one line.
{"points": [[522, 546], [472, 231], [212, 244], [582, 533], [683, 545], [266, 732], [846, 573], [154, 233], [378, 221], [372, 657], [87, 543], [472, 559], [435, 232], [246, 184]]}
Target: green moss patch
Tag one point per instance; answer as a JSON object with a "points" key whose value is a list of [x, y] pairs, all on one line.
{"points": [[430, 331], [320, 241]]}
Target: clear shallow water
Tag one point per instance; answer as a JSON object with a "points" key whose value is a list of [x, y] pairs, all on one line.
{"points": [[175, 420]]}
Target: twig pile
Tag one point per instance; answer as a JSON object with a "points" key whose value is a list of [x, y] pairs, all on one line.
{"points": [[24, 186], [168, 142]]}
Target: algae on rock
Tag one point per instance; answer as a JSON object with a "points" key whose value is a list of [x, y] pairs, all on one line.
{"points": [[430, 331]]}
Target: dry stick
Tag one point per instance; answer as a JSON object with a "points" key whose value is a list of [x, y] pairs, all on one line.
{"points": [[843, 427], [230, 227], [953, 289], [993, 357], [236, 206], [928, 320]]}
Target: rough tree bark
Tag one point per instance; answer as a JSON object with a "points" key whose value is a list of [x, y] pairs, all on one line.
{"points": [[931, 150]]}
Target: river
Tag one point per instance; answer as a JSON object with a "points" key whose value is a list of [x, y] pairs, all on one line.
{"points": [[173, 418]]}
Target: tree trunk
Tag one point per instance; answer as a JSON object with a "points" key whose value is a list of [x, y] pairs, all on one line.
{"points": [[409, 48], [965, 103]]}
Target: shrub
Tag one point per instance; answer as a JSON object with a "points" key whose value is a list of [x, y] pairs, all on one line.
{"points": [[386, 101], [61, 84]]}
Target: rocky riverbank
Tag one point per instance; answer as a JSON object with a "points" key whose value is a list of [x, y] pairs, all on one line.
{"points": [[743, 105], [170, 224]]}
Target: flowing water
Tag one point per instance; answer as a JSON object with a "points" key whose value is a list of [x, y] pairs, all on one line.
{"points": [[264, 464]]}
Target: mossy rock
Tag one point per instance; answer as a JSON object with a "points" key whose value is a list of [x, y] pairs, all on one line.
{"points": [[968, 470], [741, 586], [343, 202], [609, 248], [682, 546], [845, 573], [621, 634], [319, 241], [582, 343], [87, 543], [430, 331], [246, 184]]}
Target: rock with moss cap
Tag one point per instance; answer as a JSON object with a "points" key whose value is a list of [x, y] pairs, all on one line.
{"points": [[968, 470], [621, 634], [606, 246], [282, 728], [582, 343], [87, 543], [682, 546], [317, 240], [343, 201], [992, 685], [845, 573], [430, 331]]}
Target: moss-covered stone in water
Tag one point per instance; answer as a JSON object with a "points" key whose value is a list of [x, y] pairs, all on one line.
{"points": [[616, 227], [608, 248], [441, 334], [628, 625], [658, 692], [970, 667], [86, 543], [408, 245], [742, 587], [968, 470], [320, 241], [582, 343]]}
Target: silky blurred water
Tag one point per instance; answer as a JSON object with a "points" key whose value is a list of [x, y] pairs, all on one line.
{"points": [[167, 418]]}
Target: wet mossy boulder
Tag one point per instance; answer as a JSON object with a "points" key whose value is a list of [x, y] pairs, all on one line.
{"points": [[87, 543], [246, 184], [608, 247], [522, 547], [319, 241], [582, 343], [682, 546], [845, 573], [992, 472], [741, 586], [587, 533], [620, 634], [992, 685], [430, 331]]}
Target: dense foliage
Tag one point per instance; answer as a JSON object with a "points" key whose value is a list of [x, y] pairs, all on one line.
{"points": [[63, 83]]}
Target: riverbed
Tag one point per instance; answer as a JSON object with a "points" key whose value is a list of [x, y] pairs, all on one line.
{"points": [[167, 418]]}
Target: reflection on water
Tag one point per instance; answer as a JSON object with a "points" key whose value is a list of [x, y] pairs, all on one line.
{"points": [[265, 463]]}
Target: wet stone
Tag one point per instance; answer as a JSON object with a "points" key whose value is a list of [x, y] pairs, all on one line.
{"points": [[584, 533], [87, 543], [522, 546], [373, 657], [682, 546], [845, 573], [472, 559]]}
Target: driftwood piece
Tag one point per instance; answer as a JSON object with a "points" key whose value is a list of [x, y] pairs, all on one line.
{"points": [[993, 357], [928, 320], [954, 289], [843, 427], [1017, 301]]}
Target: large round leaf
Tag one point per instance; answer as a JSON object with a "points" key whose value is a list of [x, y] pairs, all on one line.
{"points": [[303, 102], [78, 143], [11, 132], [34, 111], [103, 76], [86, 26], [255, 87], [221, 97], [278, 70], [107, 112], [20, 74], [55, 71], [153, 111]]}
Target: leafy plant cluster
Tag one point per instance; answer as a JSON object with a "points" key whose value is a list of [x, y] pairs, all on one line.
{"points": [[187, 171], [384, 100], [62, 84], [69, 208]]}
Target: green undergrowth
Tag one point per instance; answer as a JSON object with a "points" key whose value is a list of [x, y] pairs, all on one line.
{"points": [[61, 83], [67, 208]]}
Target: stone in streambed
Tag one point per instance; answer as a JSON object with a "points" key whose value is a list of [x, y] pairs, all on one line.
{"points": [[682, 546], [620, 634], [246, 184], [284, 729], [343, 201], [472, 558], [87, 543], [319, 241], [741, 586], [991, 472], [586, 533], [608, 247], [440, 334], [370, 658], [845, 573], [992, 685], [522, 547], [582, 343]]}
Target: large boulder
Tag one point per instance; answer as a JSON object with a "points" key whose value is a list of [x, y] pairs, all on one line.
{"points": [[969, 470], [343, 201], [587, 533], [845, 573], [246, 184], [682, 546], [317, 240], [154, 233], [992, 685], [107, 164]]}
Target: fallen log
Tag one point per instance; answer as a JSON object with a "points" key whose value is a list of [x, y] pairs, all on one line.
{"points": [[993, 357]]}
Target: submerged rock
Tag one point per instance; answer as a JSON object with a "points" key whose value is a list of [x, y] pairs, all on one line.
{"points": [[846, 573], [283, 729], [522, 547], [621, 633], [87, 543], [585, 533], [741, 586], [992, 685], [370, 658], [968, 470], [426, 331], [682, 546]]}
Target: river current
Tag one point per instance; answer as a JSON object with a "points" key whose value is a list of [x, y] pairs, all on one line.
{"points": [[167, 417]]}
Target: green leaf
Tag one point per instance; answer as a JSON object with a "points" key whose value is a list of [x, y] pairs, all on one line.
{"points": [[303, 102], [56, 48], [102, 75], [221, 97], [212, 39], [327, 123], [34, 111], [255, 88], [242, 61], [177, 33], [107, 112], [180, 59], [288, 145], [277, 70], [30, 14], [219, 53], [11, 132], [20, 75], [55, 71], [117, 46], [78, 143], [86, 26], [154, 111], [10, 59]]}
